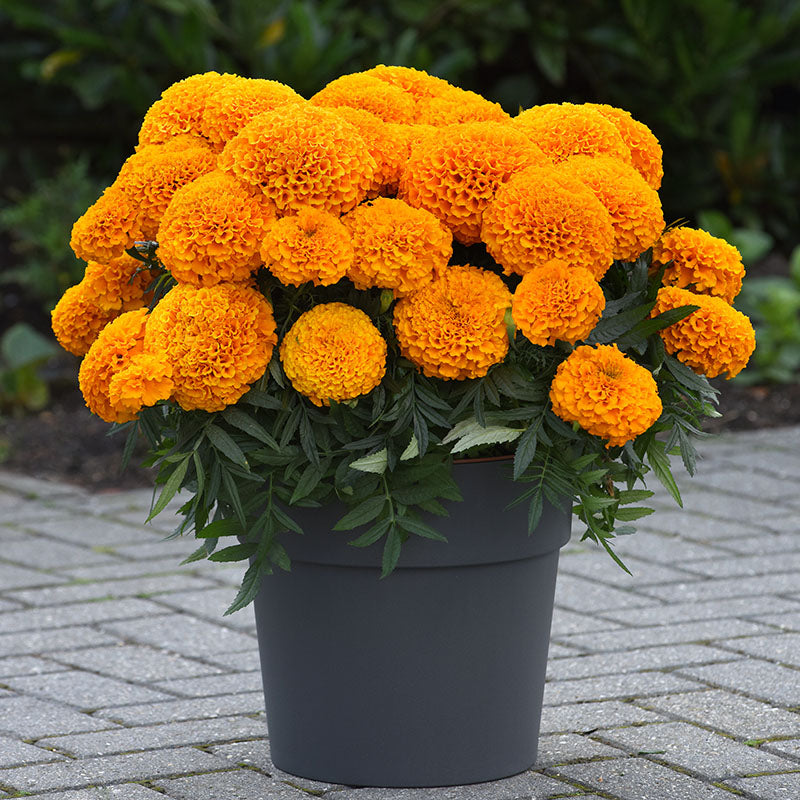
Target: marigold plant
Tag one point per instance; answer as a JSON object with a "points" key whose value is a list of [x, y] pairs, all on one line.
{"points": [[274, 299]]}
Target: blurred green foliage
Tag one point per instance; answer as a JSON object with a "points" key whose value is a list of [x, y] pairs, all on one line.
{"points": [[23, 351], [716, 80]]}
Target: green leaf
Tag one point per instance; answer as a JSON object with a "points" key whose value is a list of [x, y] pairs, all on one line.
{"points": [[244, 422], [411, 451], [171, 487], [364, 512], [220, 527], [391, 552], [236, 552], [249, 588], [526, 449], [198, 555], [610, 328], [376, 462], [470, 433], [626, 496], [309, 480], [23, 345], [419, 528], [631, 514], [659, 461], [372, 535], [222, 441], [647, 327]]}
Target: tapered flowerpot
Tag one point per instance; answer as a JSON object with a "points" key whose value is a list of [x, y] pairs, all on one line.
{"points": [[432, 676]]}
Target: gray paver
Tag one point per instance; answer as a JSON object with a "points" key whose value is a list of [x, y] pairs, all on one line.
{"points": [[770, 787], [124, 791], [13, 576], [758, 586], [50, 554], [240, 785], [233, 683], [593, 716], [51, 641], [608, 687], [194, 708], [749, 565], [779, 646], [93, 531], [210, 604], [14, 753], [785, 747], [788, 621], [562, 748], [587, 565], [32, 718], [760, 679], [787, 541], [27, 665], [573, 592]]}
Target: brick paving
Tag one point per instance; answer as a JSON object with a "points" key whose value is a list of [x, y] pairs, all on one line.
{"points": [[681, 681]]}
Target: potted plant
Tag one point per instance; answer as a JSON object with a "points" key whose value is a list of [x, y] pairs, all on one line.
{"points": [[389, 341]]}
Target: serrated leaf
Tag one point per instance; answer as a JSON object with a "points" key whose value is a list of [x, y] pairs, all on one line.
{"points": [[171, 487], [526, 449], [244, 422], [309, 480], [411, 451], [611, 327], [419, 528], [470, 433], [220, 527], [364, 512], [197, 555], [375, 462], [650, 326], [222, 442], [631, 514], [236, 552], [626, 496], [391, 552], [659, 462], [249, 588], [372, 535]]}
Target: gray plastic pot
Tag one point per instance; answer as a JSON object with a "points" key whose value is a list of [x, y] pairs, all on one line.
{"points": [[432, 676]]}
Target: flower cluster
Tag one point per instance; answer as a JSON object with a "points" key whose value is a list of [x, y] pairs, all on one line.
{"points": [[396, 256]]}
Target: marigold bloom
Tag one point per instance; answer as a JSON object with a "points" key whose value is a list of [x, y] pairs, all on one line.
{"points": [[713, 340], [454, 106], [77, 319], [634, 207], [212, 230], [456, 173], [333, 352], [606, 393], [312, 245], [540, 214], [389, 103], [454, 327], [218, 339], [557, 302], [106, 230], [418, 83], [646, 152], [396, 246], [564, 129], [299, 155], [117, 285], [700, 262], [180, 108], [117, 344], [145, 379], [152, 175], [235, 102]]}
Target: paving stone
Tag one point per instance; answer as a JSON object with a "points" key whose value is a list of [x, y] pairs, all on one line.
{"points": [[45, 553], [572, 592], [785, 747], [76, 614], [640, 779], [760, 679], [92, 531], [27, 665], [700, 527], [196, 708], [110, 769], [761, 585], [661, 548], [566, 622], [51, 641], [760, 485], [787, 622], [152, 737], [13, 576], [729, 713], [14, 753], [589, 717], [749, 565], [123, 791], [183, 634], [562, 748], [631, 638], [165, 567], [137, 663], [634, 661], [607, 687], [232, 683], [6, 606], [84, 690], [696, 750], [742, 607], [176, 549], [589, 566], [779, 646], [32, 718], [724, 506], [242, 785], [249, 660], [770, 787], [784, 542], [211, 604]]}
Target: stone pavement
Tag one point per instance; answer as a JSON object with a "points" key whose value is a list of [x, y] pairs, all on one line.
{"points": [[119, 678]]}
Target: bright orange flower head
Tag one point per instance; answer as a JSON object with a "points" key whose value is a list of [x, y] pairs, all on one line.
{"points": [[454, 327], [606, 393], [564, 129], [77, 319], [418, 83], [333, 352], [540, 214], [646, 152], [212, 230], [634, 207], [713, 340], [299, 155], [311, 245], [396, 246], [454, 106], [112, 351], [359, 90], [700, 262], [218, 340], [557, 302], [106, 230], [456, 173], [145, 379], [118, 285]]}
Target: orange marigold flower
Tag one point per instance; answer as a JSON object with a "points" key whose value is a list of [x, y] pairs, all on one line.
{"points": [[456, 173], [180, 108], [212, 230], [333, 352], [556, 302], [366, 92], [634, 207], [299, 155], [106, 229], [117, 344], [145, 379], [418, 83], [118, 284], [646, 152], [701, 262], [564, 130], [454, 327], [218, 339], [454, 106], [151, 176], [606, 393], [540, 214], [77, 319], [312, 245], [396, 246], [712, 340]]}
